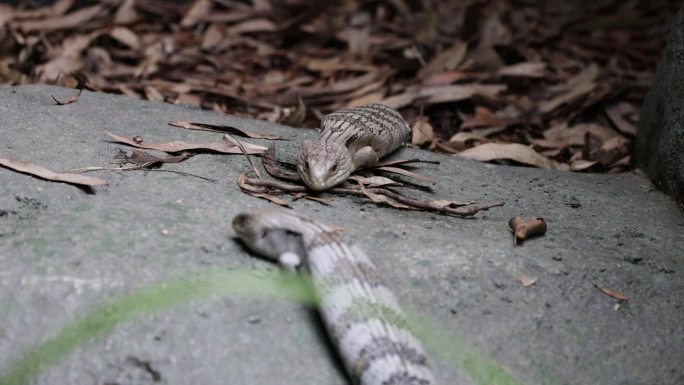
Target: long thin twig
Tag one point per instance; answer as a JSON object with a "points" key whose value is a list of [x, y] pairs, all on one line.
{"points": [[136, 168], [244, 152]]}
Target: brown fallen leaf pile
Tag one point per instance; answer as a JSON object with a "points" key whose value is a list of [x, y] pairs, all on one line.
{"points": [[547, 84]]}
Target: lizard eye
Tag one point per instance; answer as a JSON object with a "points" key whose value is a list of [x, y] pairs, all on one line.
{"points": [[334, 167]]}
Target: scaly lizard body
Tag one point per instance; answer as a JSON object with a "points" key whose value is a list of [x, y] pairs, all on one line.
{"points": [[352, 138], [362, 316]]}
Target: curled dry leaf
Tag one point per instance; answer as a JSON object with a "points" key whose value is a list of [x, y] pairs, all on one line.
{"points": [[523, 229], [278, 169], [581, 164], [42, 172], [258, 192], [225, 146], [619, 114], [295, 117], [510, 151], [68, 100], [224, 128]]}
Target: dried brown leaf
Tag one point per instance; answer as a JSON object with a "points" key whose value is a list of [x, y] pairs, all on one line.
{"points": [[404, 172], [224, 146], [258, 192], [614, 293], [68, 60], [397, 162], [126, 37], [574, 135], [68, 21], [511, 151], [449, 77], [577, 87], [618, 114], [335, 64], [68, 100], [375, 181], [44, 173], [213, 36], [447, 60], [57, 9], [224, 128], [126, 14], [422, 132], [610, 151], [379, 198], [199, 9], [524, 70], [6, 14], [400, 100], [453, 93], [485, 118], [147, 160], [153, 94], [252, 26], [581, 164]]}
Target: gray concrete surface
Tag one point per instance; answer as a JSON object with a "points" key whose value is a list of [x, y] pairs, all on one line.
{"points": [[63, 252], [660, 141]]}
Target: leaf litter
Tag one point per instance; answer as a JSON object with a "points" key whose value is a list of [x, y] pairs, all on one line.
{"points": [[455, 69], [364, 183]]}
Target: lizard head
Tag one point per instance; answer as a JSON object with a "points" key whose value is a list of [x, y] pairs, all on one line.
{"points": [[265, 233], [323, 164]]}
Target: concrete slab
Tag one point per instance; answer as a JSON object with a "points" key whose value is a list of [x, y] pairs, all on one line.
{"points": [[64, 252]]}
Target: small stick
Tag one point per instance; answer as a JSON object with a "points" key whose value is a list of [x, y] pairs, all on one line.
{"points": [[244, 152]]}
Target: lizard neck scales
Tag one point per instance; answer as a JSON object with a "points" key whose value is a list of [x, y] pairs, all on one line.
{"points": [[351, 139]]}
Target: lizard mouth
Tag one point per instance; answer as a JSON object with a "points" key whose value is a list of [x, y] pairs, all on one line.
{"points": [[323, 183]]}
